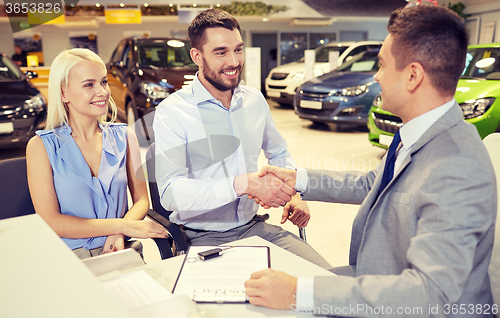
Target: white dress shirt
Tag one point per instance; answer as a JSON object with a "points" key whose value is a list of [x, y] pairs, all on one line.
{"points": [[201, 146]]}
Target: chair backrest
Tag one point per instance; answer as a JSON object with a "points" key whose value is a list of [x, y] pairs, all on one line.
{"points": [[153, 186], [492, 143], [14, 192]]}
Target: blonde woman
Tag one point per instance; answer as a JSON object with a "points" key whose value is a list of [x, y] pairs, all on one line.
{"points": [[80, 166]]}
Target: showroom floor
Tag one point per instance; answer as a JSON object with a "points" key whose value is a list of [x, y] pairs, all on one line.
{"points": [[318, 147]]}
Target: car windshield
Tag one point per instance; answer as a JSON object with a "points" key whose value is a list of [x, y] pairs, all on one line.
{"points": [[363, 62], [323, 52], [161, 54], [8, 71], [482, 63]]}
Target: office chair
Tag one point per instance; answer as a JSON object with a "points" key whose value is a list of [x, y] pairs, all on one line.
{"points": [[14, 192], [16, 199], [177, 240], [492, 143], [161, 215]]}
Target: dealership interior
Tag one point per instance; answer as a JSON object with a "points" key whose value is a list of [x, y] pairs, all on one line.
{"points": [[285, 38]]}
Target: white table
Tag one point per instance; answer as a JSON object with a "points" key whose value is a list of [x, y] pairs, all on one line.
{"points": [[41, 277], [166, 273]]}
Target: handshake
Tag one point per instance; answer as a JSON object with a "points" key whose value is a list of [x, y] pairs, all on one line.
{"points": [[272, 187]]}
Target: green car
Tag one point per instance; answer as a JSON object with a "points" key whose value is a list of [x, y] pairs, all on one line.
{"points": [[478, 94]]}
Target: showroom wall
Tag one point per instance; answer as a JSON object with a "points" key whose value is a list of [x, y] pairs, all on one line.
{"points": [[483, 22], [56, 38]]}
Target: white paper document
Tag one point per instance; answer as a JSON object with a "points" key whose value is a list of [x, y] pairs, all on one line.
{"points": [[136, 290], [220, 279], [143, 297]]}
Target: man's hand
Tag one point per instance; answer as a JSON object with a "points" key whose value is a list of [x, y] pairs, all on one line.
{"points": [[288, 176], [297, 212], [271, 289], [270, 191]]}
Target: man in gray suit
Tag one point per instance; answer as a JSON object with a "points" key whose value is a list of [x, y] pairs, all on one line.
{"points": [[421, 241]]}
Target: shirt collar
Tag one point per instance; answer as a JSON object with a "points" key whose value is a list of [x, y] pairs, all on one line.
{"points": [[415, 128], [201, 94]]}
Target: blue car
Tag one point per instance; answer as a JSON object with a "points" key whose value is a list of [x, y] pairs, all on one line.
{"points": [[343, 96]]}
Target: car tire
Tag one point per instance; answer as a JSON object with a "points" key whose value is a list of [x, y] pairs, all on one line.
{"points": [[131, 114]]}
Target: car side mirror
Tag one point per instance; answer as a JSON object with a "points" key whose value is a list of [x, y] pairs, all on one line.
{"points": [[31, 74]]}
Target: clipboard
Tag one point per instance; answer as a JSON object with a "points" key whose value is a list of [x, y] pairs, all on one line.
{"points": [[220, 279]]}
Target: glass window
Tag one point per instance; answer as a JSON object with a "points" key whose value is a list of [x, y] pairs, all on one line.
{"points": [[117, 54], [322, 53], [160, 54], [318, 39], [483, 63], [365, 62], [8, 70], [292, 46]]}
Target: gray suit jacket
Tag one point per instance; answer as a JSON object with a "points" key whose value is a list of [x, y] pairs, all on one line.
{"points": [[423, 247]]}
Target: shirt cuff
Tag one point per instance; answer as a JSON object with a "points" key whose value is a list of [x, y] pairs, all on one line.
{"points": [[301, 180], [304, 295], [224, 190]]}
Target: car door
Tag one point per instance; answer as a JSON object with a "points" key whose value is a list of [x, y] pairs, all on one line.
{"points": [[116, 80]]}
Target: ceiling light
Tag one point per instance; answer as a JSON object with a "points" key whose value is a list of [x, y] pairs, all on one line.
{"points": [[146, 5], [97, 5], [122, 5]]}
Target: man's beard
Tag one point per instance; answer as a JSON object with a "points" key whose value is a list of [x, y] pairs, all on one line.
{"points": [[217, 82]]}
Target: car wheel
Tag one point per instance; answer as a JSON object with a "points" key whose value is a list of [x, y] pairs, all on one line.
{"points": [[131, 114], [134, 122]]}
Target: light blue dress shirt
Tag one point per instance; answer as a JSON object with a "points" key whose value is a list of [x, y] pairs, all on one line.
{"points": [[410, 134], [78, 192], [201, 146]]}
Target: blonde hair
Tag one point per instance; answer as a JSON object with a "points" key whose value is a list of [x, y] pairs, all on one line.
{"points": [[57, 111]]}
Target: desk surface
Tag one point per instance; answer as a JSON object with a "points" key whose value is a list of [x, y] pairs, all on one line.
{"points": [[166, 273], [41, 277]]}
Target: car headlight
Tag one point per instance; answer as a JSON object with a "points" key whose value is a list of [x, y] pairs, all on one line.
{"points": [[35, 103], [476, 107], [317, 73], [377, 101], [351, 91], [300, 76], [154, 91]]}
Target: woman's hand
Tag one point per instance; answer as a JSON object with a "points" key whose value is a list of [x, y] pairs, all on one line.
{"points": [[143, 229], [114, 243]]}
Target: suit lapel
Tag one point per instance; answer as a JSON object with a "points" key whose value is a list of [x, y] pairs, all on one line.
{"points": [[451, 118]]}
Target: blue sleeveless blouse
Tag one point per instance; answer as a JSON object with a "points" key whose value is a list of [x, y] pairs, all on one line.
{"points": [[78, 192]]}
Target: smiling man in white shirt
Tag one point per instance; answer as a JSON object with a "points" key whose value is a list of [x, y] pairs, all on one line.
{"points": [[209, 136]]}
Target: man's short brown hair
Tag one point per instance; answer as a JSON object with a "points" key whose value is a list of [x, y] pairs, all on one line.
{"points": [[211, 18], [433, 36]]}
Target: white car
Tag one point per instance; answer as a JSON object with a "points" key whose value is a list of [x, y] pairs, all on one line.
{"points": [[282, 81]]}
